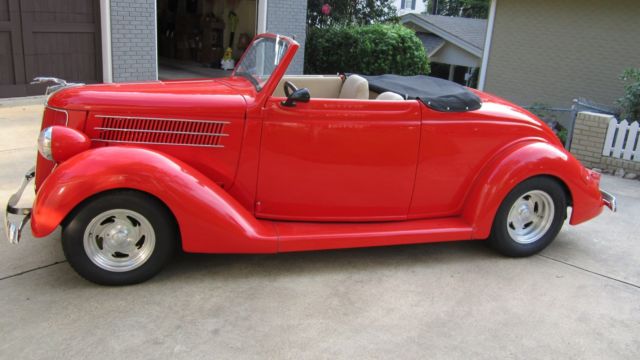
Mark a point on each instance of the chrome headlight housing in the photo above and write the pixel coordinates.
(69, 142)
(44, 143)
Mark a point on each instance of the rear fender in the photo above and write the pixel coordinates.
(521, 161)
(210, 220)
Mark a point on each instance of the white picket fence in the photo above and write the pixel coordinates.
(622, 140)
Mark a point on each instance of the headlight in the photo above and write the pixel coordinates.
(59, 143)
(44, 143)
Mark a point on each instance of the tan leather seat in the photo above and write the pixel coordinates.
(320, 86)
(355, 87)
(389, 96)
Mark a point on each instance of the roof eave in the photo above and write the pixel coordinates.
(417, 20)
(436, 49)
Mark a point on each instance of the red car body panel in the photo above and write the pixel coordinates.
(338, 151)
(205, 100)
(210, 220)
(331, 173)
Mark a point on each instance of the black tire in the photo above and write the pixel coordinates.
(501, 237)
(154, 212)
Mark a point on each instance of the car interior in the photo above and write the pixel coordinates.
(334, 87)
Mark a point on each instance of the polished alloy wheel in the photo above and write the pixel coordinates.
(530, 217)
(119, 240)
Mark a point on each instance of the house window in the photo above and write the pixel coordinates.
(407, 4)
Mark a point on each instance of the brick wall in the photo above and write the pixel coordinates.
(133, 40)
(588, 142)
(289, 18)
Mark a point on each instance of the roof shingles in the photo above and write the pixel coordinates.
(471, 31)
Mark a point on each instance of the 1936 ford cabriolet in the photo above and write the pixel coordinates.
(262, 162)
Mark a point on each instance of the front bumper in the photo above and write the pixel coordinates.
(16, 218)
(609, 200)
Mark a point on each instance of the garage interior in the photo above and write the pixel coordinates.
(193, 35)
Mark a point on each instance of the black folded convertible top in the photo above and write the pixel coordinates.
(438, 94)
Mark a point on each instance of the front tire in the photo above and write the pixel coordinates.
(529, 218)
(119, 238)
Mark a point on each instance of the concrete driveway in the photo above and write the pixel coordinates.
(580, 298)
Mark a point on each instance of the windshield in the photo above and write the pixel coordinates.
(261, 59)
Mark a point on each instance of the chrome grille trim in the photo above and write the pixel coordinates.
(159, 131)
(161, 119)
(155, 143)
(66, 113)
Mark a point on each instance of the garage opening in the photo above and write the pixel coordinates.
(194, 36)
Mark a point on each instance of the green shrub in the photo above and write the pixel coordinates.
(630, 102)
(370, 50)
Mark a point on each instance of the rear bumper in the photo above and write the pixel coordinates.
(609, 200)
(15, 218)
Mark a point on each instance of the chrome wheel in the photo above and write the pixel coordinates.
(119, 240)
(530, 217)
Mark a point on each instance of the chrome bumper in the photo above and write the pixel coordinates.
(609, 200)
(19, 216)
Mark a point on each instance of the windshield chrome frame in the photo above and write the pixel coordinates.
(279, 49)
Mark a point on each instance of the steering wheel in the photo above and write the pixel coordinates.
(289, 88)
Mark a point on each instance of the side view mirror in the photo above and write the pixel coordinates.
(300, 95)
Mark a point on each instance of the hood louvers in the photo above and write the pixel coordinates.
(159, 131)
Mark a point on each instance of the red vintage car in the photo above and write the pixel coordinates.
(263, 162)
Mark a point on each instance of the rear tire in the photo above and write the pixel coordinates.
(529, 218)
(119, 238)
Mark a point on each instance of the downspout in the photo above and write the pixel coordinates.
(105, 34)
(262, 17)
(487, 46)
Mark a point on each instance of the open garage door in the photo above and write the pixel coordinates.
(193, 35)
(48, 38)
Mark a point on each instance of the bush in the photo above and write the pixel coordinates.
(630, 102)
(370, 50)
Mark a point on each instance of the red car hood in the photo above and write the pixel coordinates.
(181, 94)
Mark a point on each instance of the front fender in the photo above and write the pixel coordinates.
(519, 162)
(210, 220)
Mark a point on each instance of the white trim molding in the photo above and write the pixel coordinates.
(262, 17)
(105, 34)
(155, 28)
(487, 46)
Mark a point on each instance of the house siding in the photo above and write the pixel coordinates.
(133, 40)
(554, 51)
(289, 18)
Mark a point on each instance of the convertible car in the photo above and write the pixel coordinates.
(264, 162)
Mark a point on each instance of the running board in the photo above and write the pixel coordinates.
(294, 236)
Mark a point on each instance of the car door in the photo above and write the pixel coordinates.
(338, 160)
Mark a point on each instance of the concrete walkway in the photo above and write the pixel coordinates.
(579, 299)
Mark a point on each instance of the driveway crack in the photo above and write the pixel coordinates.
(17, 149)
(591, 272)
(34, 269)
